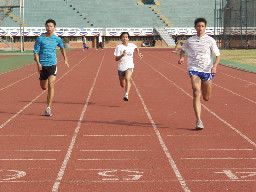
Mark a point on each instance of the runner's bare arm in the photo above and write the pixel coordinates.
(181, 60)
(39, 66)
(65, 56)
(214, 67)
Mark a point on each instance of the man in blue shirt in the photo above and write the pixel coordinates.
(45, 57)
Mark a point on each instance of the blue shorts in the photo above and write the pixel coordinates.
(203, 76)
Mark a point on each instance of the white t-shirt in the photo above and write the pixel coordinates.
(126, 61)
(84, 39)
(200, 52)
(100, 39)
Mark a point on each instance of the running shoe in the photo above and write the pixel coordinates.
(125, 98)
(48, 112)
(199, 125)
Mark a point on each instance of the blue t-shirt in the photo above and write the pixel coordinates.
(46, 48)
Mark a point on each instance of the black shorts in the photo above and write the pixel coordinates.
(47, 71)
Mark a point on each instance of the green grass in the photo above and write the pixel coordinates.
(242, 56)
(18, 59)
(14, 62)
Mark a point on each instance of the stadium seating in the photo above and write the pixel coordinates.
(113, 13)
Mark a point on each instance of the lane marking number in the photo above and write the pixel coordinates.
(120, 175)
(6, 175)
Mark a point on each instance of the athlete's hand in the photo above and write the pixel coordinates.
(140, 55)
(39, 68)
(124, 53)
(66, 62)
(181, 61)
(214, 69)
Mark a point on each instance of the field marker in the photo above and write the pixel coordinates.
(165, 149)
(70, 148)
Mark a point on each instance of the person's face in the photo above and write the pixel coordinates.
(124, 38)
(200, 28)
(50, 27)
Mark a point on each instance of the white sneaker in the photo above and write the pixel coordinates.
(199, 125)
(48, 112)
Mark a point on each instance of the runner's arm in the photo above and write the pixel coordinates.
(39, 66)
(181, 60)
(216, 63)
(65, 56)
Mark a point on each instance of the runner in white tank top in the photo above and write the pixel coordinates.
(200, 65)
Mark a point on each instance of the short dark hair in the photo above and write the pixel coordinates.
(124, 33)
(50, 21)
(200, 20)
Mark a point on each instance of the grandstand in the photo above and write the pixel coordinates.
(112, 13)
(142, 18)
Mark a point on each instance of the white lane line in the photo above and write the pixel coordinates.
(107, 159)
(114, 169)
(210, 111)
(238, 78)
(24, 150)
(213, 83)
(234, 93)
(27, 159)
(70, 148)
(26, 106)
(184, 135)
(217, 149)
(18, 81)
(220, 168)
(151, 181)
(165, 149)
(221, 158)
(117, 135)
(33, 135)
(114, 150)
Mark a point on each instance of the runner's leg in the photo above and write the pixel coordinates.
(51, 81)
(128, 76)
(206, 90)
(196, 86)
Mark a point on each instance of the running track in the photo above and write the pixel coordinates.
(97, 142)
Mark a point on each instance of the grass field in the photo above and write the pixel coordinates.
(242, 56)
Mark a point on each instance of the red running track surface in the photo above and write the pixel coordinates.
(97, 142)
